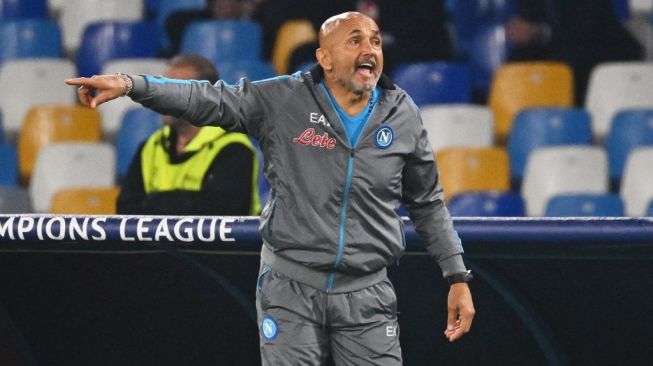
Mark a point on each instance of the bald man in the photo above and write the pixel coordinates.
(343, 148)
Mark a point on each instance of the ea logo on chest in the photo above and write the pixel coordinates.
(383, 137)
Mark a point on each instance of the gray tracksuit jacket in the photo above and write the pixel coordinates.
(330, 221)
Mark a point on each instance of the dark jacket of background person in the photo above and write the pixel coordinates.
(582, 33)
(225, 189)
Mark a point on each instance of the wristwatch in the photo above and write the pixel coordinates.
(460, 277)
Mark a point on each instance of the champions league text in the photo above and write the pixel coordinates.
(124, 229)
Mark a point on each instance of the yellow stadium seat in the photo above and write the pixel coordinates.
(469, 169)
(292, 34)
(45, 124)
(85, 201)
(520, 85)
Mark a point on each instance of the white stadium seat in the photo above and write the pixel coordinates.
(71, 165)
(637, 181)
(458, 125)
(25, 83)
(551, 171)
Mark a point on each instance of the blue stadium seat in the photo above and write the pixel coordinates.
(621, 9)
(434, 82)
(649, 212)
(488, 51)
(166, 7)
(232, 72)
(151, 7)
(104, 41)
(487, 204)
(629, 129)
(12, 9)
(137, 125)
(539, 127)
(8, 165)
(223, 40)
(468, 16)
(22, 38)
(585, 205)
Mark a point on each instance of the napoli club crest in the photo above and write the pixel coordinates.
(383, 137)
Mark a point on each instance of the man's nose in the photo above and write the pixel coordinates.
(366, 47)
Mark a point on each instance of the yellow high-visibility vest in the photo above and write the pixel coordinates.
(159, 175)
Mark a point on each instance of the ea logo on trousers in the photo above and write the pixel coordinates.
(384, 137)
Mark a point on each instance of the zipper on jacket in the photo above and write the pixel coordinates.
(343, 219)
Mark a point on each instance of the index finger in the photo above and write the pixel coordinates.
(78, 81)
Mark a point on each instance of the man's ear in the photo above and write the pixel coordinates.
(323, 58)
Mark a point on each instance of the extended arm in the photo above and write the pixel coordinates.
(424, 199)
(235, 108)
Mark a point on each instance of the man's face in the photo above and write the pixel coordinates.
(355, 53)
(181, 73)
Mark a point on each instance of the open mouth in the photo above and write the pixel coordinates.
(365, 68)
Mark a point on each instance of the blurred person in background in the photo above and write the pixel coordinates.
(581, 33)
(187, 170)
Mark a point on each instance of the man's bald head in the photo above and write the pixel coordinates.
(350, 53)
(330, 25)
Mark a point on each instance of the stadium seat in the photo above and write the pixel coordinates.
(223, 40)
(649, 212)
(291, 34)
(487, 204)
(434, 82)
(151, 7)
(466, 169)
(76, 15)
(616, 86)
(232, 72)
(552, 171)
(166, 7)
(621, 9)
(113, 113)
(488, 52)
(636, 189)
(66, 165)
(641, 6)
(585, 205)
(12, 9)
(26, 83)
(14, 200)
(8, 165)
(85, 201)
(526, 85)
(29, 38)
(629, 129)
(458, 125)
(137, 125)
(45, 124)
(539, 127)
(468, 16)
(106, 41)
